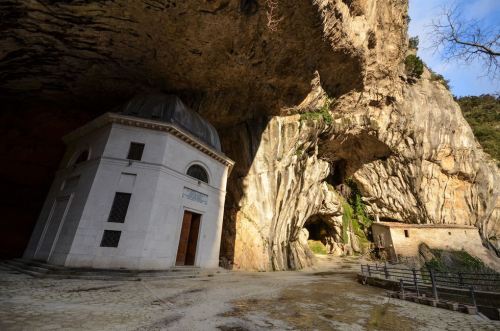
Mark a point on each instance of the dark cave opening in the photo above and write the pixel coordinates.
(337, 172)
(319, 230)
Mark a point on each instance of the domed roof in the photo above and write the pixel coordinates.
(170, 109)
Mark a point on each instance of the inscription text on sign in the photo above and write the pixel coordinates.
(195, 196)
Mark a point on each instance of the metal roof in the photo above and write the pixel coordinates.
(170, 109)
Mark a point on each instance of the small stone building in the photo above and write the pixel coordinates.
(140, 188)
(401, 239)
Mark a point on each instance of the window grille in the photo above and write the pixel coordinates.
(119, 208)
(110, 238)
(135, 151)
(198, 172)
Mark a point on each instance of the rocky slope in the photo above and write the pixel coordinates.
(305, 95)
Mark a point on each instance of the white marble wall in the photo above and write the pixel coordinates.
(151, 230)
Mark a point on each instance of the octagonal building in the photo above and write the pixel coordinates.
(139, 188)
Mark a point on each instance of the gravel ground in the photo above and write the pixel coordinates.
(324, 298)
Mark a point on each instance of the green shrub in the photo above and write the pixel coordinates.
(321, 113)
(435, 77)
(346, 220)
(413, 43)
(456, 261)
(414, 66)
(483, 114)
(354, 216)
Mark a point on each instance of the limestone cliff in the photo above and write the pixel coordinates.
(414, 160)
(303, 99)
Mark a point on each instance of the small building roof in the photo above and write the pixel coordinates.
(165, 113)
(170, 109)
(422, 226)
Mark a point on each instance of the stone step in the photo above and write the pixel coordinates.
(44, 270)
(61, 269)
(22, 270)
(26, 266)
(22, 262)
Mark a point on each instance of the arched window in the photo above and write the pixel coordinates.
(198, 172)
(84, 156)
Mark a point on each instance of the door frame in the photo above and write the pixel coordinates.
(49, 221)
(179, 230)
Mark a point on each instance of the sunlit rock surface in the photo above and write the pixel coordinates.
(405, 144)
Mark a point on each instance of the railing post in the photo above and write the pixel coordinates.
(386, 271)
(402, 287)
(415, 282)
(434, 287)
(473, 297)
(369, 273)
(460, 279)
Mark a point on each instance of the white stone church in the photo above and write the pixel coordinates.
(140, 188)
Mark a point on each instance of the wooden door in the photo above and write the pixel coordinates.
(184, 238)
(188, 240)
(193, 239)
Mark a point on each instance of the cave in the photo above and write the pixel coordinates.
(337, 173)
(89, 57)
(319, 229)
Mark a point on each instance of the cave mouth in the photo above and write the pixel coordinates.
(322, 235)
(337, 174)
(318, 229)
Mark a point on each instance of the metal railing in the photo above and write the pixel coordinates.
(456, 286)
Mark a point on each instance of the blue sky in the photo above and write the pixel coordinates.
(464, 79)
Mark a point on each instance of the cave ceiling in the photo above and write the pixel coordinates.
(220, 56)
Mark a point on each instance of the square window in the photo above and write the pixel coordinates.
(135, 151)
(407, 233)
(120, 207)
(110, 238)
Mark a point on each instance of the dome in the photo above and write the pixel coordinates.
(170, 109)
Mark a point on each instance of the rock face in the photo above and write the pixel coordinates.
(439, 173)
(304, 96)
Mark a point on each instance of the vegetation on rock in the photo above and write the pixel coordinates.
(413, 43)
(414, 66)
(317, 247)
(435, 77)
(354, 217)
(321, 113)
(483, 114)
(456, 261)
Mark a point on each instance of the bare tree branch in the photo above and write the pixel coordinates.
(456, 38)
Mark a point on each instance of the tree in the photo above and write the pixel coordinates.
(466, 40)
(414, 66)
(413, 43)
